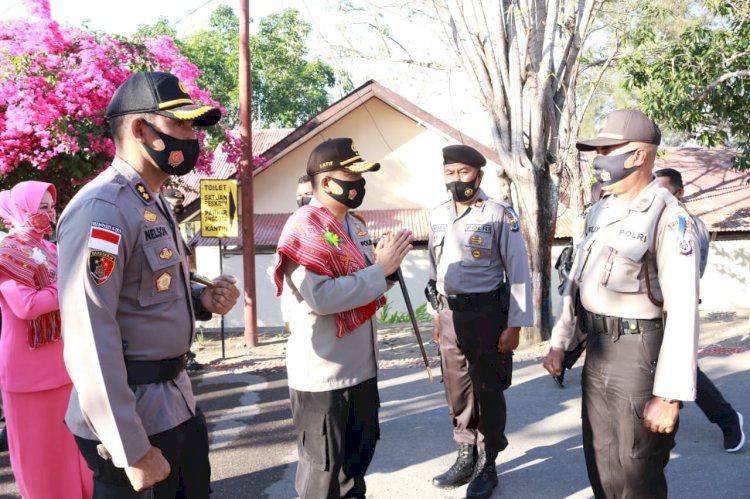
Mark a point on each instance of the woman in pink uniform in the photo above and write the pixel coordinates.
(35, 385)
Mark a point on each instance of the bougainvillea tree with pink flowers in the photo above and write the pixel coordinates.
(56, 82)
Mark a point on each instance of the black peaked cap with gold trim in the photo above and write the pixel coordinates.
(160, 93)
(338, 154)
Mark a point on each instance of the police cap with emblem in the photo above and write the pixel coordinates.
(160, 93)
(622, 126)
(460, 153)
(338, 154)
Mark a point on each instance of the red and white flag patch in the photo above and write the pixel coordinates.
(105, 237)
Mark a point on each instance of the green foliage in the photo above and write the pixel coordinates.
(288, 88)
(698, 81)
(386, 317)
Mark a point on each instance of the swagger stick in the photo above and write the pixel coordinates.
(413, 318)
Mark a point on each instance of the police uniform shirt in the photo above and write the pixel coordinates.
(124, 293)
(610, 270)
(316, 359)
(471, 253)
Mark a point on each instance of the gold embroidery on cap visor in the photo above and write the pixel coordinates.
(175, 102)
(190, 115)
(182, 86)
(361, 167)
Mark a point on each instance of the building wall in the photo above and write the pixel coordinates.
(410, 156)
(725, 285)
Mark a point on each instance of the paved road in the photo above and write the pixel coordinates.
(254, 454)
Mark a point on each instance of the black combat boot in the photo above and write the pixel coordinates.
(484, 478)
(461, 471)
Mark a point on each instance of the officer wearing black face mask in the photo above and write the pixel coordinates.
(332, 279)
(304, 190)
(129, 309)
(480, 288)
(636, 271)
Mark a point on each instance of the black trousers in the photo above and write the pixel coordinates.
(336, 436)
(185, 447)
(624, 460)
(475, 375)
(712, 403)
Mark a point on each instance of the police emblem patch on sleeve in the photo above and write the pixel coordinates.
(101, 265)
(681, 226)
(511, 219)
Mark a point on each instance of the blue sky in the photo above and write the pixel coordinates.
(124, 17)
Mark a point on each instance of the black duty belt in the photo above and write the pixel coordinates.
(470, 301)
(616, 326)
(146, 372)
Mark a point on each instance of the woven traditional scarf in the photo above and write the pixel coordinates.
(25, 257)
(313, 238)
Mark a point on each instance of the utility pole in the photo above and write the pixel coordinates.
(246, 179)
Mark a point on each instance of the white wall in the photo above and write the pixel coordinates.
(725, 285)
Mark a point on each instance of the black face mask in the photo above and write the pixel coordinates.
(353, 192)
(462, 191)
(178, 156)
(609, 170)
(303, 201)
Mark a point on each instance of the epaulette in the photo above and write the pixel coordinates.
(358, 217)
(108, 191)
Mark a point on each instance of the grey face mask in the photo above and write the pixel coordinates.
(609, 170)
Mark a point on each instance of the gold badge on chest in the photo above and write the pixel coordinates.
(163, 282)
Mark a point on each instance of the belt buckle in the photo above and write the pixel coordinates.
(629, 326)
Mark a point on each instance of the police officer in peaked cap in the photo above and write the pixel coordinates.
(129, 308)
(636, 269)
(480, 289)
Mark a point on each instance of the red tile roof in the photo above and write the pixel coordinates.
(713, 190)
(268, 227)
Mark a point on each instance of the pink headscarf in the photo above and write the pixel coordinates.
(19, 204)
(24, 256)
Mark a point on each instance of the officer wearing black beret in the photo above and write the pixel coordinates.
(480, 288)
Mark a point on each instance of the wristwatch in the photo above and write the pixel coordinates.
(669, 401)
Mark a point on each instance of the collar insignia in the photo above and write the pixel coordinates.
(140, 187)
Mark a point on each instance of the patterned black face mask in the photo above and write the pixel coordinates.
(178, 157)
(353, 192)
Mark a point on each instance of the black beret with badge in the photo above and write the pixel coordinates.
(460, 153)
(160, 93)
(338, 154)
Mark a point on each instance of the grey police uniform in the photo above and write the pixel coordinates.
(127, 300)
(333, 380)
(471, 256)
(637, 272)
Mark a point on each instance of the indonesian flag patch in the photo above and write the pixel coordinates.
(101, 265)
(105, 237)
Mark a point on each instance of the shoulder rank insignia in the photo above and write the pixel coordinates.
(358, 217)
(149, 216)
(511, 219)
(101, 265)
(140, 187)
